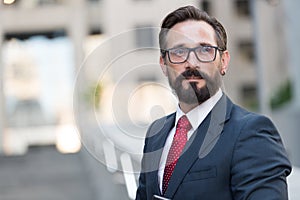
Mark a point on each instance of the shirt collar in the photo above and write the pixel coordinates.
(198, 114)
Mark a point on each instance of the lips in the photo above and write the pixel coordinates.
(194, 78)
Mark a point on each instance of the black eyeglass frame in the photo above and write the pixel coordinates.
(166, 52)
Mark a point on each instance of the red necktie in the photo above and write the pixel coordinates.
(179, 140)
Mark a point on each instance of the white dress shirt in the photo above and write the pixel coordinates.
(195, 116)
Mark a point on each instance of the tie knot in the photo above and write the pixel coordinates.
(184, 123)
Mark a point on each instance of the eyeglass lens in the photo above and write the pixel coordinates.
(203, 54)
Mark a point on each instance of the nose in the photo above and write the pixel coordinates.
(193, 60)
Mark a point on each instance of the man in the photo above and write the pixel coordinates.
(210, 149)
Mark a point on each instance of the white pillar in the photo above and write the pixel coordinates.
(292, 33)
(262, 86)
(78, 30)
(2, 102)
(292, 28)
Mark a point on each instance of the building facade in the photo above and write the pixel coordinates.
(115, 45)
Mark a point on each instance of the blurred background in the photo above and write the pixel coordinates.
(80, 83)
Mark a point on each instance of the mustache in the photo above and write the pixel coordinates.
(192, 73)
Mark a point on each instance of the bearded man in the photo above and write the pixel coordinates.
(210, 148)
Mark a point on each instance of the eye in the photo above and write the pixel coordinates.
(179, 51)
(205, 49)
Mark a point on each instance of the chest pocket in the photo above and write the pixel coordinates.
(205, 173)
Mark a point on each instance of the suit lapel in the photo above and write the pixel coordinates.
(219, 115)
(162, 129)
(160, 132)
(201, 142)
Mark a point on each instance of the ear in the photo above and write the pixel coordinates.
(163, 65)
(225, 62)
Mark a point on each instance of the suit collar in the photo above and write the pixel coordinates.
(161, 128)
(218, 116)
(199, 113)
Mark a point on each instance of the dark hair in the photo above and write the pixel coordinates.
(191, 13)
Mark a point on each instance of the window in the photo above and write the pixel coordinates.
(149, 78)
(49, 2)
(249, 96)
(38, 69)
(144, 36)
(206, 6)
(246, 50)
(95, 31)
(242, 8)
(25, 35)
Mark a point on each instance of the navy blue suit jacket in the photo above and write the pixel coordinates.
(234, 154)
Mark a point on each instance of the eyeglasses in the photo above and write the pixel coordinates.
(180, 55)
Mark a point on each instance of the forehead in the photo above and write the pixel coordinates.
(191, 33)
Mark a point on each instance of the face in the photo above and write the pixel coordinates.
(194, 81)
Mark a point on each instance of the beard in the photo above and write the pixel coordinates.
(192, 94)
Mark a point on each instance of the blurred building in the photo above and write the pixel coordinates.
(79, 18)
(126, 59)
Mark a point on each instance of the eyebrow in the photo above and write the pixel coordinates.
(206, 44)
(200, 44)
(177, 46)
